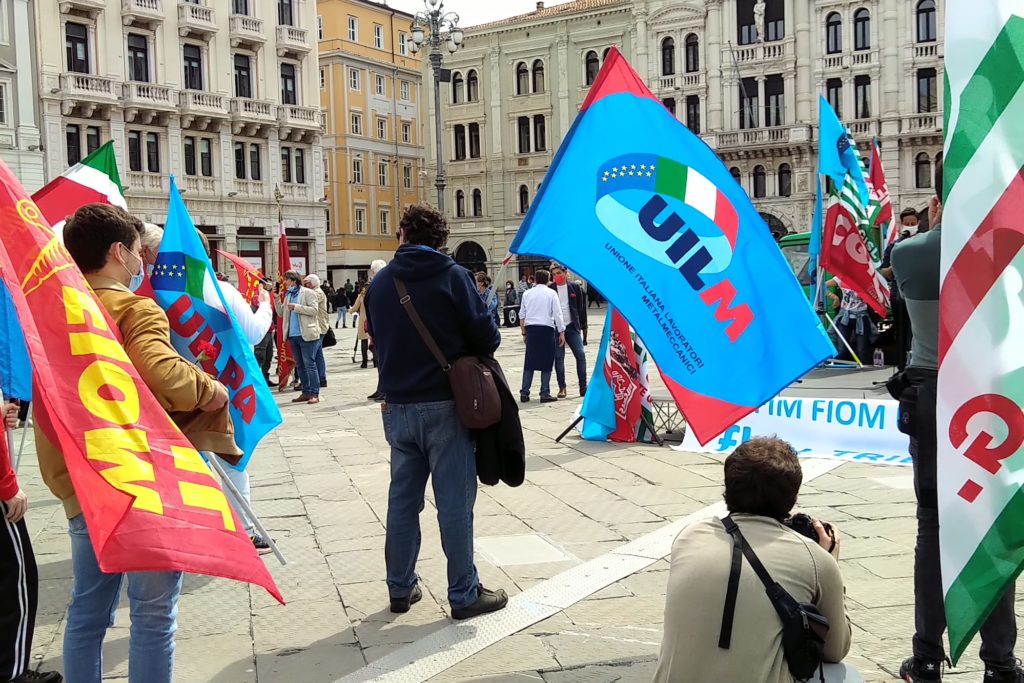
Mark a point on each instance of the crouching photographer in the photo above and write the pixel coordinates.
(758, 595)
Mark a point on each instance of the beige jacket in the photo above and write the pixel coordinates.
(322, 316)
(701, 560)
(360, 307)
(181, 387)
(308, 310)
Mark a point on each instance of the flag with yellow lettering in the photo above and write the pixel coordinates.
(149, 499)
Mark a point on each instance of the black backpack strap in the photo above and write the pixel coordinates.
(771, 587)
(729, 612)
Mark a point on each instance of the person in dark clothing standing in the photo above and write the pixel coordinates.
(264, 351)
(909, 227)
(916, 267)
(420, 421)
(574, 313)
(19, 577)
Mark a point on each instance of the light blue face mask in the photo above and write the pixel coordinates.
(138, 278)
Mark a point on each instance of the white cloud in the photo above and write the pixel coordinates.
(472, 12)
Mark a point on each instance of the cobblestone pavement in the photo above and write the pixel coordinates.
(320, 484)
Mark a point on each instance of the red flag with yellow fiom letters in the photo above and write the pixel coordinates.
(149, 499)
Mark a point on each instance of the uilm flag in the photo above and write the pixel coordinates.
(980, 413)
(285, 361)
(150, 501)
(94, 179)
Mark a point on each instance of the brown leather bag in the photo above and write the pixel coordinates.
(476, 394)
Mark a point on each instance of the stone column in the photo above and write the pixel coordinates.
(805, 42)
(642, 61)
(887, 37)
(717, 99)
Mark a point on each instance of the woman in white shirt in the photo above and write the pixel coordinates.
(540, 317)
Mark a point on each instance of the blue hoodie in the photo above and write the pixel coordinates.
(446, 297)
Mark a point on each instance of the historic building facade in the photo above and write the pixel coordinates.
(371, 87)
(20, 146)
(744, 75)
(222, 94)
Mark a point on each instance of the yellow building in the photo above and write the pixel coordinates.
(371, 87)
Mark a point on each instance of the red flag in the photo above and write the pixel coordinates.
(150, 501)
(285, 361)
(879, 190)
(845, 253)
(625, 370)
(249, 278)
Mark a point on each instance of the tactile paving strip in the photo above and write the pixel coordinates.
(433, 654)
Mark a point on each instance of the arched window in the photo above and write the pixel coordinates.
(538, 76)
(926, 21)
(833, 34)
(735, 173)
(668, 57)
(524, 199)
(785, 181)
(522, 79)
(591, 66)
(760, 182)
(923, 171)
(604, 55)
(692, 56)
(457, 84)
(478, 203)
(472, 86)
(460, 204)
(862, 29)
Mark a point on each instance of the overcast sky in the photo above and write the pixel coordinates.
(473, 12)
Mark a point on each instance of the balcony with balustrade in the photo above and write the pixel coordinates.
(200, 186)
(88, 88)
(137, 183)
(297, 192)
(246, 31)
(199, 103)
(251, 189)
(864, 129)
(291, 39)
(774, 135)
(681, 81)
(147, 12)
(922, 124)
(252, 117)
(762, 53)
(147, 97)
(307, 118)
(926, 52)
(195, 19)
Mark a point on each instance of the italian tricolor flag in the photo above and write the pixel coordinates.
(981, 339)
(92, 180)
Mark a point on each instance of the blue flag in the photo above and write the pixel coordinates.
(598, 409)
(186, 287)
(644, 210)
(15, 366)
(837, 156)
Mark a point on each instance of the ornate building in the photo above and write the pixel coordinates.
(20, 146)
(744, 75)
(370, 85)
(220, 93)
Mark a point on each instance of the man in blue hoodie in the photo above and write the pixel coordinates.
(420, 422)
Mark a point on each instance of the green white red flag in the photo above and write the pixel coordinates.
(981, 357)
(93, 180)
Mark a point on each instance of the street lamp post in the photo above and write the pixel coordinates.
(436, 27)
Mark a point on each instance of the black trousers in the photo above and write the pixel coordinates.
(264, 352)
(999, 632)
(19, 597)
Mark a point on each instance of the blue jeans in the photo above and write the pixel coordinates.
(573, 340)
(153, 597)
(321, 363)
(427, 440)
(305, 364)
(545, 383)
(342, 318)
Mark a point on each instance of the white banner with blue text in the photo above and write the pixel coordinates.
(846, 429)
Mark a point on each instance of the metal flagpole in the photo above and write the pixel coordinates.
(244, 505)
(843, 339)
(21, 448)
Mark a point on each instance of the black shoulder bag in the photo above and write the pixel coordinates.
(804, 628)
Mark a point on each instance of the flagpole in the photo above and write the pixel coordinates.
(501, 274)
(21, 448)
(244, 505)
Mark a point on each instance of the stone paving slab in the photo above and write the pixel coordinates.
(320, 483)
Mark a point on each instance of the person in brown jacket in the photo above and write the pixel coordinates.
(105, 243)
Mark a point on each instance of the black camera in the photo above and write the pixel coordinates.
(804, 525)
